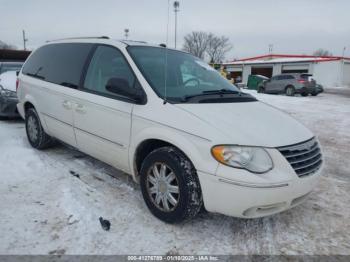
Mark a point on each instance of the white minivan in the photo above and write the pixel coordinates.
(186, 134)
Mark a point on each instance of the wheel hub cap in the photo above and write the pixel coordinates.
(163, 187)
(32, 129)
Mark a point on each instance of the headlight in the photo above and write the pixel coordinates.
(253, 159)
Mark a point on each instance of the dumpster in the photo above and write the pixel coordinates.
(255, 80)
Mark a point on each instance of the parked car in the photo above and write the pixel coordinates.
(10, 66)
(289, 84)
(319, 89)
(255, 81)
(8, 96)
(187, 141)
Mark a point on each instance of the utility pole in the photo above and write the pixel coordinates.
(24, 39)
(126, 33)
(176, 10)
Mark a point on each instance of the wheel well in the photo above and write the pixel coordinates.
(147, 147)
(27, 105)
(289, 86)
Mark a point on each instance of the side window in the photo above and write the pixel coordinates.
(61, 64)
(107, 63)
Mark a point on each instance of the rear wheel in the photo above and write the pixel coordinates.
(170, 186)
(304, 94)
(35, 132)
(314, 94)
(290, 91)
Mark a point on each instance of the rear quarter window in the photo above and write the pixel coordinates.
(58, 63)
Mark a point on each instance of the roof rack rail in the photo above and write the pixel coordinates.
(127, 42)
(82, 37)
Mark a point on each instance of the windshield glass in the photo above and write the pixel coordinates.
(185, 74)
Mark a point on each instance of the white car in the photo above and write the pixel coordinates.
(187, 141)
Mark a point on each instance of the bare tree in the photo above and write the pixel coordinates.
(217, 48)
(196, 43)
(322, 52)
(3, 45)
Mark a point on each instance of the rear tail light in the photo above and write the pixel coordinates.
(302, 81)
(17, 84)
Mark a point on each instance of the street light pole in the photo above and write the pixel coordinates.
(176, 10)
(126, 33)
(24, 39)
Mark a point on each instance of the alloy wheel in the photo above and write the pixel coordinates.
(163, 187)
(32, 128)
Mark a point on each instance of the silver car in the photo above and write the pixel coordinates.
(289, 84)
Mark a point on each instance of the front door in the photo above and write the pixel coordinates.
(102, 120)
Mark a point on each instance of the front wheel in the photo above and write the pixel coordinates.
(170, 185)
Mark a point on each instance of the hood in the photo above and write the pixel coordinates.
(250, 123)
(8, 80)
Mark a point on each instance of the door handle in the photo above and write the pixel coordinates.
(80, 109)
(67, 105)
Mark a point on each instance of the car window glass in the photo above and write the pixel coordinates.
(10, 67)
(182, 74)
(59, 63)
(107, 63)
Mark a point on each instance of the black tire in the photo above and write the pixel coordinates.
(261, 90)
(290, 91)
(314, 94)
(41, 140)
(189, 201)
(304, 94)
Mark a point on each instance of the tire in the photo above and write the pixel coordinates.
(261, 90)
(304, 94)
(314, 94)
(35, 132)
(188, 195)
(290, 91)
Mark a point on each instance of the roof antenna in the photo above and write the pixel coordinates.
(166, 56)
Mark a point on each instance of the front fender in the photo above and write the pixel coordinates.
(197, 149)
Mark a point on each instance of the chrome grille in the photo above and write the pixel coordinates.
(305, 157)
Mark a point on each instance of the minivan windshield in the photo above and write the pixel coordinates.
(186, 76)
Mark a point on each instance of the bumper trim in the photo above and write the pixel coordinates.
(252, 185)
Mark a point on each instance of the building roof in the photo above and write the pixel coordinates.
(13, 55)
(279, 58)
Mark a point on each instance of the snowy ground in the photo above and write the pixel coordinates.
(45, 209)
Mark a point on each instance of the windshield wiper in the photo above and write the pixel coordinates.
(35, 76)
(221, 91)
(211, 92)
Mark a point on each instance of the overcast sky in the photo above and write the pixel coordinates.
(292, 26)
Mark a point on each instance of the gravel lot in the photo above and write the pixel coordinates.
(44, 209)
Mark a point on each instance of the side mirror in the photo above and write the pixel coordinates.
(121, 87)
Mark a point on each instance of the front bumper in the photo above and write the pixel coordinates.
(8, 106)
(238, 193)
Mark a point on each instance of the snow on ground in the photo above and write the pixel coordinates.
(44, 209)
